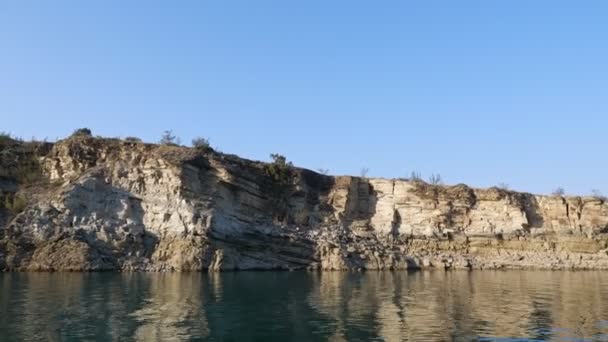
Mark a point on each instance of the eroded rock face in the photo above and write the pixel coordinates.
(115, 205)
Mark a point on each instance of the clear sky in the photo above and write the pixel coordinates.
(481, 92)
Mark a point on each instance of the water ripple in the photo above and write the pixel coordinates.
(299, 306)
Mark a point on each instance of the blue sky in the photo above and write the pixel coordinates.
(481, 92)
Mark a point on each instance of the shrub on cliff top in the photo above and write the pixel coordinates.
(200, 143)
(133, 139)
(82, 132)
(279, 170)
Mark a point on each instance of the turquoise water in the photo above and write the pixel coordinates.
(300, 306)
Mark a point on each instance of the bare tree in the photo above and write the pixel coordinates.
(364, 172)
(435, 179)
(415, 176)
(323, 171)
(559, 191)
(596, 193)
(169, 139)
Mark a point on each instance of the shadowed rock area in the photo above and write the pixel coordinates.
(89, 204)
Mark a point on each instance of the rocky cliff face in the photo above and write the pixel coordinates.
(107, 204)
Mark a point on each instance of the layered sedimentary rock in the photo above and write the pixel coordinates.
(107, 204)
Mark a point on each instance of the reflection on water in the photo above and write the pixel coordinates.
(299, 306)
(172, 310)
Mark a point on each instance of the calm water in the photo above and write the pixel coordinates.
(300, 306)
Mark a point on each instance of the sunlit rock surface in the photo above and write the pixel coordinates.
(107, 204)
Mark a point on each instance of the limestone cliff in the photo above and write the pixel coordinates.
(108, 204)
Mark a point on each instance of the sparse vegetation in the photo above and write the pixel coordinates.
(133, 139)
(279, 170)
(169, 139)
(200, 143)
(503, 186)
(19, 160)
(415, 176)
(559, 191)
(435, 179)
(82, 132)
(323, 171)
(596, 193)
(5, 139)
(434, 192)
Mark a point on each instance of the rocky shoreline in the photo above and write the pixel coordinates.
(108, 204)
